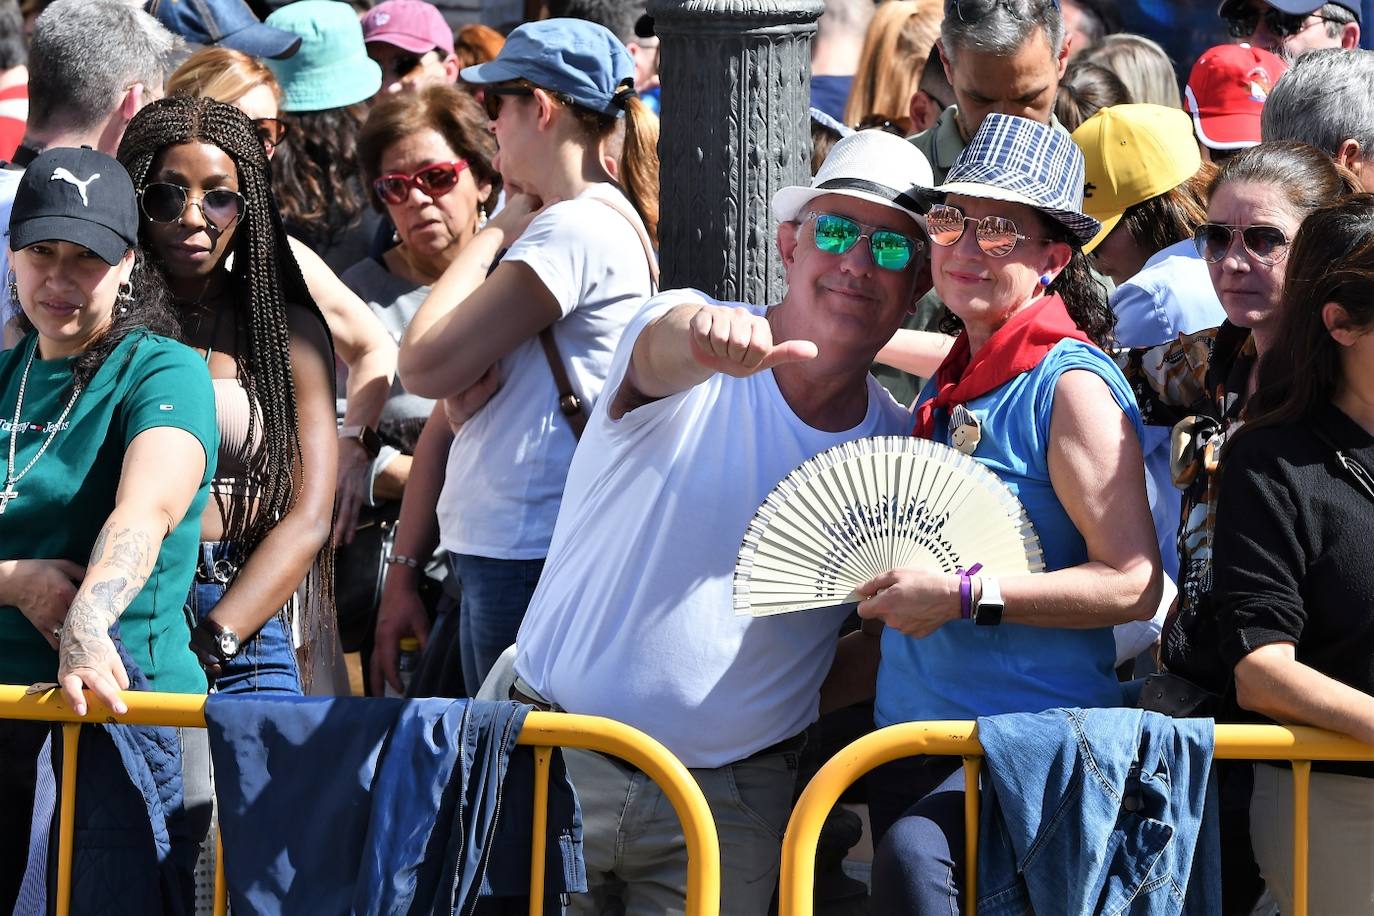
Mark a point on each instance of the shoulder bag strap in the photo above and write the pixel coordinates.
(637, 224)
(1359, 476)
(569, 404)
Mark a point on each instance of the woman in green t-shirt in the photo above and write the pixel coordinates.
(107, 444)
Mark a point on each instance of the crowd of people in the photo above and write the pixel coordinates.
(340, 331)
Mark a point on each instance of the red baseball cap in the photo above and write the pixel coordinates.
(411, 25)
(1226, 93)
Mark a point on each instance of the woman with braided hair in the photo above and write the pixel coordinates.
(211, 223)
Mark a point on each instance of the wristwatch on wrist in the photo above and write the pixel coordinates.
(215, 641)
(365, 436)
(988, 611)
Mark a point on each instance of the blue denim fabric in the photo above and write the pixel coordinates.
(1098, 811)
(351, 805)
(266, 662)
(495, 596)
(918, 858)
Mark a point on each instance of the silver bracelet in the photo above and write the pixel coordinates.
(404, 561)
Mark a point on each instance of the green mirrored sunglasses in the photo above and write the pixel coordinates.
(891, 250)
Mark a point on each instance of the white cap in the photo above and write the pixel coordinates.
(871, 165)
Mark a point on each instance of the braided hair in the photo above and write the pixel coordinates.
(267, 282)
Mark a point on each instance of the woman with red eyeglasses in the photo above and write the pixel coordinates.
(426, 158)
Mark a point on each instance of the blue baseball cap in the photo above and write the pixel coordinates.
(579, 59)
(227, 23)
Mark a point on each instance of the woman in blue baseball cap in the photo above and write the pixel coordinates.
(575, 248)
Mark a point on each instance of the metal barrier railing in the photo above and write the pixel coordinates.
(543, 731)
(1233, 742)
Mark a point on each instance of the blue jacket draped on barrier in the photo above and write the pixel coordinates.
(382, 806)
(1098, 811)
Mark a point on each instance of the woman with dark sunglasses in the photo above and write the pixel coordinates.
(427, 159)
(1294, 592)
(202, 178)
(1028, 392)
(1200, 386)
(578, 262)
(363, 345)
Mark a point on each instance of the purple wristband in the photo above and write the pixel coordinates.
(966, 590)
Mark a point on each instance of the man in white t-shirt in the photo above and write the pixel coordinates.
(709, 404)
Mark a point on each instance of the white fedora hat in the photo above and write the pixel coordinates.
(871, 165)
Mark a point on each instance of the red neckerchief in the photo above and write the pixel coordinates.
(1016, 347)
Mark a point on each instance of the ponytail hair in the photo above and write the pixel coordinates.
(639, 163)
(635, 152)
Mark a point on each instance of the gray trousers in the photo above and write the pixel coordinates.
(635, 850)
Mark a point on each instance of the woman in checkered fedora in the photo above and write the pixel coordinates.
(1028, 392)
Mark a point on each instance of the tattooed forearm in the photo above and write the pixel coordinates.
(121, 561)
(131, 550)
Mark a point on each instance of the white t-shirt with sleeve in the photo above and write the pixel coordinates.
(507, 465)
(633, 617)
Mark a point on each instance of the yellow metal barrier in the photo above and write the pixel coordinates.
(1233, 742)
(542, 731)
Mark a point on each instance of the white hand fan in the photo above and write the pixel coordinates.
(859, 509)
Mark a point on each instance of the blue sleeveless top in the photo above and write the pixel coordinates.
(963, 671)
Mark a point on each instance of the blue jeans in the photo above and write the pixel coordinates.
(495, 596)
(266, 662)
(918, 859)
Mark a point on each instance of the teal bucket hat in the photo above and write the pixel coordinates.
(331, 69)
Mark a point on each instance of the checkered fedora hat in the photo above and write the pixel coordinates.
(1025, 162)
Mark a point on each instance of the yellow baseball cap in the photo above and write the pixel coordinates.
(1132, 153)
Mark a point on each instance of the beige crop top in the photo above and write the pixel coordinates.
(235, 475)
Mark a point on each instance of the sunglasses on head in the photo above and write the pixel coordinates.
(1241, 21)
(1266, 244)
(271, 131)
(997, 236)
(837, 234)
(977, 10)
(434, 180)
(163, 202)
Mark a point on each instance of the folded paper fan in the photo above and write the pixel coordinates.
(859, 509)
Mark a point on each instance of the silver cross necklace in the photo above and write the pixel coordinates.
(11, 478)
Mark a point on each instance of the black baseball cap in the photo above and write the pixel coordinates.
(76, 195)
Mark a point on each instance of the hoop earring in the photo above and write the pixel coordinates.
(124, 296)
(13, 289)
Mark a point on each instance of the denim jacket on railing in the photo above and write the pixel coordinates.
(1098, 811)
(358, 805)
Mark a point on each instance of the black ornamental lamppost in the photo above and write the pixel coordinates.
(736, 90)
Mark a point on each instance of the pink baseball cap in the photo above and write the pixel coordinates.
(411, 25)
(1226, 93)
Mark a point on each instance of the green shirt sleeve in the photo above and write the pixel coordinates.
(170, 386)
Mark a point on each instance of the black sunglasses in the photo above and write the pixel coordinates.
(1241, 21)
(271, 131)
(163, 202)
(492, 95)
(403, 64)
(1267, 244)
